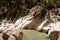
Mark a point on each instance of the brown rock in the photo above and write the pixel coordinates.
(36, 13)
(54, 35)
(14, 34)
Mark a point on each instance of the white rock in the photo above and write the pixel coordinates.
(42, 25)
(23, 21)
(54, 27)
(46, 28)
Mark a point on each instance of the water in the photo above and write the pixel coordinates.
(34, 35)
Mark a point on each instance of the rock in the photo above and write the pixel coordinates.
(10, 32)
(53, 17)
(11, 38)
(54, 27)
(54, 35)
(15, 34)
(43, 24)
(32, 24)
(32, 19)
(55, 14)
(46, 29)
(35, 9)
(59, 36)
(1, 36)
(54, 31)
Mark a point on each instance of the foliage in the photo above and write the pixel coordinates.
(21, 7)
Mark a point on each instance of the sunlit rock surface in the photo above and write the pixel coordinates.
(23, 21)
(46, 29)
(54, 35)
(54, 31)
(43, 24)
(15, 34)
(52, 17)
(54, 27)
(32, 19)
(8, 31)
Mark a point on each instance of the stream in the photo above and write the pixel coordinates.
(34, 35)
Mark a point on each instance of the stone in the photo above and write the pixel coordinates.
(32, 19)
(54, 35)
(15, 34)
(54, 32)
(10, 32)
(43, 24)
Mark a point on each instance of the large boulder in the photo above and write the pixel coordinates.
(55, 14)
(32, 19)
(10, 32)
(54, 32)
(51, 17)
(15, 34)
(54, 35)
(46, 29)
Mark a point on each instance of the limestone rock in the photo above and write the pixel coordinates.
(10, 32)
(54, 35)
(46, 29)
(53, 17)
(32, 19)
(54, 31)
(15, 34)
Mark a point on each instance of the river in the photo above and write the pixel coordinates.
(34, 35)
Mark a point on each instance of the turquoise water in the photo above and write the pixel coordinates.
(34, 35)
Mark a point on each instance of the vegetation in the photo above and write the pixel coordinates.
(18, 8)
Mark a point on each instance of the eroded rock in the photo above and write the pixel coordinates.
(54, 35)
(32, 19)
(10, 32)
(13, 34)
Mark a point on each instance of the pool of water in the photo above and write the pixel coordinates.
(34, 35)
